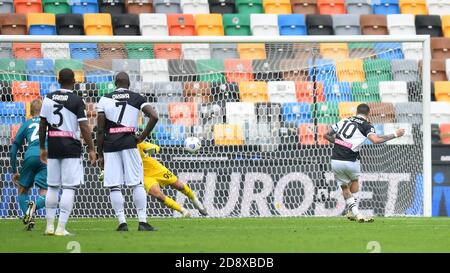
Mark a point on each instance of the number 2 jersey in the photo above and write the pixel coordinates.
(121, 109)
(63, 110)
(350, 135)
(29, 132)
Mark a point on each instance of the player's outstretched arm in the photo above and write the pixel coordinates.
(101, 122)
(330, 135)
(382, 139)
(87, 136)
(153, 119)
(42, 134)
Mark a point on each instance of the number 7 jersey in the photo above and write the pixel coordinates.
(350, 135)
(63, 110)
(121, 109)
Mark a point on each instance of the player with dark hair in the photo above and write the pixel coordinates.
(348, 135)
(64, 114)
(117, 124)
(33, 171)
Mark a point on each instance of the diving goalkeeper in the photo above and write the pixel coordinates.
(156, 176)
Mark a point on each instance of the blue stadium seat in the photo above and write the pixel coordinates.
(40, 70)
(292, 24)
(170, 135)
(47, 87)
(83, 51)
(337, 92)
(323, 70)
(98, 76)
(296, 113)
(389, 51)
(84, 6)
(12, 112)
(385, 7)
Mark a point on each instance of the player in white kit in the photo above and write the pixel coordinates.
(117, 123)
(348, 135)
(62, 112)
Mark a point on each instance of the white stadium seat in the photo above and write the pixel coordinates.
(194, 6)
(406, 139)
(393, 91)
(196, 51)
(153, 24)
(438, 7)
(240, 113)
(156, 70)
(281, 91)
(440, 112)
(55, 50)
(412, 51)
(401, 24)
(264, 24)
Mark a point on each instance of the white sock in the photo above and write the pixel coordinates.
(140, 202)
(355, 196)
(117, 203)
(51, 203)
(197, 203)
(352, 205)
(65, 207)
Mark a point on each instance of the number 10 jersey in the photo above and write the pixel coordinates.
(63, 110)
(121, 109)
(350, 135)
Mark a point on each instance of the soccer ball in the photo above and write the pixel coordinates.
(192, 145)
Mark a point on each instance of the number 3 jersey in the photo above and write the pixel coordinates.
(121, 109)
(63, 110)
(350, 135)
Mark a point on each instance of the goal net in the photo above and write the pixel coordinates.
(260, 111)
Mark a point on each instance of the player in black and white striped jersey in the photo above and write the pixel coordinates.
(63, 113)
(348, 135)
(117, 123)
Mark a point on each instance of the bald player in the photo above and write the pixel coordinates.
(117, 124)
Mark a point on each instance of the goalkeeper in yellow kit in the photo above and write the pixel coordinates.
(157, 176)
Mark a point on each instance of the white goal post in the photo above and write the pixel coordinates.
(273, 201)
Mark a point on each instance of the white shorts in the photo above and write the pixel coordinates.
(66, 172)
(345, 171)
(123, 168)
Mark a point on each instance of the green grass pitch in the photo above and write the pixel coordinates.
(302, 234)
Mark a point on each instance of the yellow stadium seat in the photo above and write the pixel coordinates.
(228, 134)
(97, 24)
(442, 90)
(277, 6)
(252, 51)
(253, 91)
(334, 51)
(350, 70)
(347, 109)
(209, 25)
(416, 7)
(446, 25)
(41, 19)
